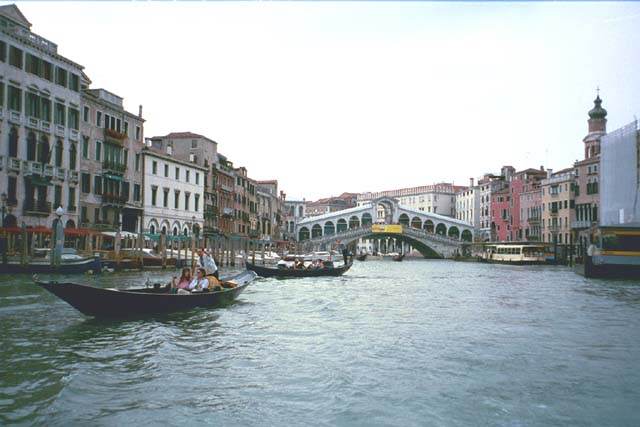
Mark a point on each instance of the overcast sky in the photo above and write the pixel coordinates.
(331, 97)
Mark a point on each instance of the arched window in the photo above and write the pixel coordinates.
(73, 155)
(428, 225)
(366, 219)
(454, 232)
(152, 229)
(354, 222)
(31, 147)
(43, 150)
(329, 228)
(13, 142)
(404, 219)
(341, 225)
(303, 234)
(316, 231)
(416, 222)
(441, 229)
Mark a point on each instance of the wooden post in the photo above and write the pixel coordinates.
(253, 255)
(23, 253)
(163, 250)
(233, 254)
(262, 253)
(192, 240)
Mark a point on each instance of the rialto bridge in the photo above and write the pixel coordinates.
(432, 234)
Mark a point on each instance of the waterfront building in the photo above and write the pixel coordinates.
(246, 211)
(270, 205)
(224, 179)
(501, 215)
(40, 93)
(468, 204)
(331, 204)
(558, 207)
(173, 193)
(294, 211)
(531, 213)
(110, 163)
(587, 178)
(489, 184)
(436, 198)
(202, 151)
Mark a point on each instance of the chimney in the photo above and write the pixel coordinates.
(549, 173)
(541, 167)
(471, 182)
(140, 110)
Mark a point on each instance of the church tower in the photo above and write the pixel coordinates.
(597, 128)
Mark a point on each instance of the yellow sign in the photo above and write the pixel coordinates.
(387, 228)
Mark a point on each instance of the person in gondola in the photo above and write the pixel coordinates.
(345, 255)
(200, 283)
(182, 283)
(206, 261)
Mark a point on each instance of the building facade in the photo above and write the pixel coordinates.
(225, 179)
(294, 211)
(488, 185)
(468, 204)
(331, 204)
(110, 163)
(270, 204)
(558, 207)
(531, 213)
(587, 178)
(246, 210)
(173, 194)
(40, 102)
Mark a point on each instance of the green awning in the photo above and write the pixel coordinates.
(114, 177)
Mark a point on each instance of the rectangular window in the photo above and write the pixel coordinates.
(97, 185)
(74, 82)
(136, 192)
(154, 167)
(99, 118)
(106, 120)
(126, 157)
(73, 154)
(57, 196)
(194, 143)
(154, 193)
(32, 105)
(45, 109)
(74, 118)
(85, 183)
(126, 128)
(16, 57)
(197, 202)
(47, 70)
(197, 178)
(15, 98)
(85, 114)
(1, 94)
(118, 125)
(98, 150)
(96, 215)
(177, 174)
(85, 147)
(187, 173)
(138, 133)
(83, 215)
(59, 114)
(72, 199)
(176, 200)
(32, 64)
(165, 198)
(3, 51)
(125, 191)
(186, 201)
(61, 77)
(137, 162)
(166, 170)
(12, 190)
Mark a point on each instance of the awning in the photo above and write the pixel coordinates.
(113, 177)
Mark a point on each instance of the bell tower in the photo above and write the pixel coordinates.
(597, 127)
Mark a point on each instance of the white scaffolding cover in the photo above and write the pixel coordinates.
(619, 190)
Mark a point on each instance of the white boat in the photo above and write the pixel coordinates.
(517, 254)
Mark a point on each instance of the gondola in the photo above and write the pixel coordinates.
(290, 272)
(361, 257)
(110, 302)
(398, 257)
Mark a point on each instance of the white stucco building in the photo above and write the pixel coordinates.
(173, 193)
(468, 204)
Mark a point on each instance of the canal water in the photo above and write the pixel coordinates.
(416, 343)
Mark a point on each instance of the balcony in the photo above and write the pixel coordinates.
(73, 175)
(226, 188)
(581, 224)
(48, 171)
(114, 136)
(74, 135)
(14, 164)
(33, 122)
(228, 212)
(114, 167)
(72, 208)
(15, 117)
(554, 228)
(553, 212)
(60, 174)
(59, 131)
(45, 126)
(113, 199)
(31, 168)
(534, 220)
(36, 208)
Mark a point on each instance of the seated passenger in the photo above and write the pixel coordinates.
(200, 283)
(183, 282)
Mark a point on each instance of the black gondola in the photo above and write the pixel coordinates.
(110, 302)
(361, 257)
(292, 272)
(398, 258)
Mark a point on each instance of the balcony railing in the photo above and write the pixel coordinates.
(114, 136)
(74, 134)
(73, 175)
(31, 168)
(60, 174)
(14, 164)
(33, 122)
(15, 117)
(581, 224)
(71, 208)
(59, 130)
(113, 199)
(37, 207)
(45, 126)
(115, 167)
(48, 171)
(553, 211)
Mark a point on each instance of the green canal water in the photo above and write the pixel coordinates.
(416, 343)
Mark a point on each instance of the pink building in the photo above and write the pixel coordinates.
(530, 213)
(500, 215)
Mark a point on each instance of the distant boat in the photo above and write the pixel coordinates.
(302, 272)
(110, 302)
(514, 254)
(70, 263)
(361, 257)
(398, 257)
